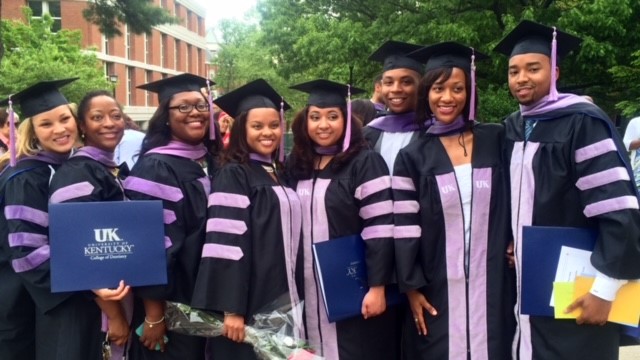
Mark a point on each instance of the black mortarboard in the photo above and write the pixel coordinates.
(40, 97)
(326, 93)
(256, 94)
(447, 54)
(166, 88)
(392, 54)
(530, 37)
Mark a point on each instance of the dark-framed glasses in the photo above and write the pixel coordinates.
(187, 108)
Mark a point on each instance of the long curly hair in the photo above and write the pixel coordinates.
(300, 164)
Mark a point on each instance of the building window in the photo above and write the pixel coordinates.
(187, 20)
(199, 61)
(176, 54)
(148, 77)
(188, 58)
(105, 45)
(131, 86)
(147, 48)
(51, 7)
(127, 42)
(163, 51)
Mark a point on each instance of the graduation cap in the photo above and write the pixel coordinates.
(325, 93)
(392, 54)
(34, 100)
(166, 88)
(452, 54)
(530, 37)
(254, 95)
(40, 97)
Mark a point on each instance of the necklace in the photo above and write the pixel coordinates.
(268, 168)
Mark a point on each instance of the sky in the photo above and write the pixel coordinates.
(225, 9)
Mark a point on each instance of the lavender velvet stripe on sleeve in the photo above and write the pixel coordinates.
(377, 209)
(402, 183)
(222, 252)
(71, 192)
(372, 187)
(229, 200)
(407, 231)
(377, 231)
(610, 205)
(26, 213)
(31, 261)
(226, 226)
(152, 188)
(27, 239)
(602, 178)
(595, 149)
(169, 216)
(406, 207)
(167, 242)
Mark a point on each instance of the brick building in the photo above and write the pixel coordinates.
(133, 59)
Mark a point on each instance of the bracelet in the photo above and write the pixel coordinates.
(226, 313)
(151, 323)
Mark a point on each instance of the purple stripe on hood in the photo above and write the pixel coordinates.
(545, 105)
(180, 149)
(396, 123)
(103, 157)
(47, 157)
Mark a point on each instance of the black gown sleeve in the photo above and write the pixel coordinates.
(374, 199)
(26, 198)
(407, 230)
(225, 272)
(608, 198)
(82, 180)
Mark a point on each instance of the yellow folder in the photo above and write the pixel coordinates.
(625, 309)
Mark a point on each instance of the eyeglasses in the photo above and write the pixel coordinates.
(187, 108)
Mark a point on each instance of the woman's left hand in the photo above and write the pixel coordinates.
(374, 302)
(113, 294)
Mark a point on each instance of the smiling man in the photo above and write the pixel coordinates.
(568, 169)
(400, 79)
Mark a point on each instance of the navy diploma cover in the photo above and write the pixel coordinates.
(342, 273)
(94, 245)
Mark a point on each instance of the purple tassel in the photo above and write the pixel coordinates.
(12, 134)
(347, 130)
(212, 125)
(472, 102)
(553, 92)
(282, 126)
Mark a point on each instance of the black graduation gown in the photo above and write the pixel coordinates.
(183, 187)
(475, 301)
(24, 196)
(352, 199)
(571, 173)
(252, 254)
(82, 179)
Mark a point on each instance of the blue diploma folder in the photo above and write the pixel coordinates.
(540, 255)
(94, 245)
(340, 264)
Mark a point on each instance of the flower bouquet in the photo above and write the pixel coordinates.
(271, 333)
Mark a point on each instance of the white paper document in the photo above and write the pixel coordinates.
(573, 262)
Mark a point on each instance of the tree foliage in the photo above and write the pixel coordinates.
(139, 15)
(34, 53)
(306, 39)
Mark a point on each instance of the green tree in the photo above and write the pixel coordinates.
(34, 53)
(304, 39)
(139, 15)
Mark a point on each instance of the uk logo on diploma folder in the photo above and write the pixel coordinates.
(94, 245)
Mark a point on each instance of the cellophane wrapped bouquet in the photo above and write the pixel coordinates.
(271, 332)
